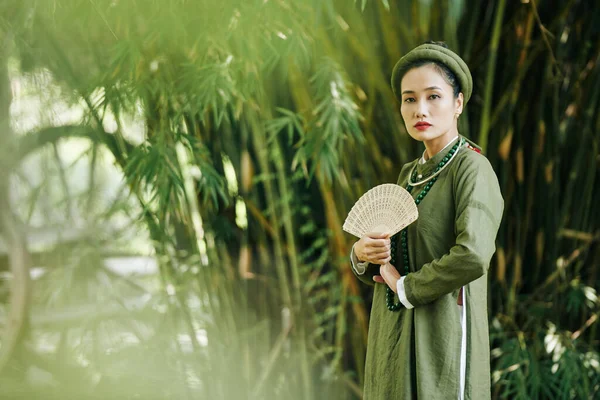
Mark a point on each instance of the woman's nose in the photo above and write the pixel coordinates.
(421, 111)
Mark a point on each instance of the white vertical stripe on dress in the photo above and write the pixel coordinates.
(463, 346)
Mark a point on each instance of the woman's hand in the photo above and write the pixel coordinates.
(389, 275)
(374, 248)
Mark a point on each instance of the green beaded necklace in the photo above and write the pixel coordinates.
(403, 234)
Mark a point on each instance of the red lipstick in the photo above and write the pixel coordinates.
(422, 125)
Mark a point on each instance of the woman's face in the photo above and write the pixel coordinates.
(429, 108)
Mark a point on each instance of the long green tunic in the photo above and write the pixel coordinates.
(416, 353)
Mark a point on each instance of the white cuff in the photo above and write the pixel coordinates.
(402, 293)
(359, 267)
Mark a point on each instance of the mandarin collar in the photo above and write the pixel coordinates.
(429, 166)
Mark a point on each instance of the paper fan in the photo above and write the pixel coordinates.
(384, 208)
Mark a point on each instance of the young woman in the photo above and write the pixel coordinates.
(428, 332)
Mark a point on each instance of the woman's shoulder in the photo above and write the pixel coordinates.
(473, 177)
(470, 158)
(473, 169)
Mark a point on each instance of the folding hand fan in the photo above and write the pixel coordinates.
(384, 208)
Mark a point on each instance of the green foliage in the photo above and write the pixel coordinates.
(335, 118)
(295, 97)
(548, 364)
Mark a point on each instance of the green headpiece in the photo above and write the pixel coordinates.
(440, 54)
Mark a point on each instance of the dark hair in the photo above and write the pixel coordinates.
(448, 75)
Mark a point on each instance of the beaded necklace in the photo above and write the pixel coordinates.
(403, 234)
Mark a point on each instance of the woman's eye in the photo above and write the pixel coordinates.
(409, 100)
(434, 96)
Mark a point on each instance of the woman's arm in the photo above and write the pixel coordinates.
(371, 251)
(479, 207)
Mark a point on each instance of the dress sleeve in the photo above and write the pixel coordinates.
(364, 271)
(402, 293)
(359, 266)
(479, 207)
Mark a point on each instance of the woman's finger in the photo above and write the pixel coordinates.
(382, 260)
(371, 251)
(378, 279)
(379, 254)
(374, 252)
(378, 244)
(378, 235)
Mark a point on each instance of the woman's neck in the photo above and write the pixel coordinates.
(434, 146)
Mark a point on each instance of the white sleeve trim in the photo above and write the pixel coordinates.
(402, 293)
(359, 267)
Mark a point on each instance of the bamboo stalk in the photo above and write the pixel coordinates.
(258, 141)
(490, 76)
(11, 229)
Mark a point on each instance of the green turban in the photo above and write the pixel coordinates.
(440, 54)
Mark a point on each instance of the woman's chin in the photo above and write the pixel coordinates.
(421, 136)
(427, 135)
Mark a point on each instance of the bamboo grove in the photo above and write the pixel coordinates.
(265, 120)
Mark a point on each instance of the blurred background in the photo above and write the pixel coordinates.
(174, 176)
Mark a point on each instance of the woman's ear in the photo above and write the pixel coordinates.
(459, 103)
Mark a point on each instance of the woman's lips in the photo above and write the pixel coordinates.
(422, 125)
